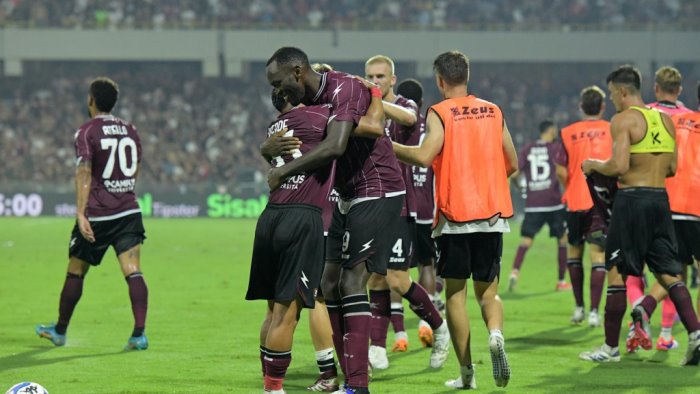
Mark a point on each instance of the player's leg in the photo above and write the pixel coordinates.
(357, 317)
(278, 343)
(458, 324)
(70, 295)
(557, 229)
(422, 306)
(398, 323)
(330, 282)
(615, 307)
(680, 296)
(380, 304)
(129, 262)
(264, 329)
(525, 244)
(574, 263)
(322, 338)
(598, 274)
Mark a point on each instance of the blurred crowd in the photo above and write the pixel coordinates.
(353, 14)
(198, 130)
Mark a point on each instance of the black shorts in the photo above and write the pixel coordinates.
(464, 256)
(585, 226)
(535, 220)
(641, 230)
(122, 233)
(403, 245)
(425, 244)
(688, 237)
(366, 233)
(287, 254)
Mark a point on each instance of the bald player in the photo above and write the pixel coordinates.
(641, 230)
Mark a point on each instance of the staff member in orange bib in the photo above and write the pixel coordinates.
(472, 155)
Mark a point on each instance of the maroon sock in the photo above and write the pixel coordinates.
(70, 295)
(335, 313)
(684, 306)
(615, 306)
(421, 305)
(380, 304)
(597, 282)
(357, 315)
(276, 364)
(648, 303)
(263, 352)
(397, 318)
(519, 257)
(138, 292)
(576, 275)
(562, 263)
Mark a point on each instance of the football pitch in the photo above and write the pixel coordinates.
(204, 336)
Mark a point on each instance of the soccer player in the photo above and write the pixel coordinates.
(463, 133)
(108, 152)
(586, 139)
(424, 250)
(667, 88)
(543, 201)
(401, 126)
(368, 180)
(288, 252)
(641, 229)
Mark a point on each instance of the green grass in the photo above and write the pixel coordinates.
(204, 336)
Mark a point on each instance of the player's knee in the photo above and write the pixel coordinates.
(526, 242)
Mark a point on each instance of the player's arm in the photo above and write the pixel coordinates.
(83, 180)
(618, 164)
(329, 149)
(423, 154)
(509, 152)
(278, 145)
(562, 174)
(668, 123)
(401, 115)
(372, 124)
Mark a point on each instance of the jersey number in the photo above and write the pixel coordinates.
(119, 145)
(279, 161)
(398, 248)
(539, 166)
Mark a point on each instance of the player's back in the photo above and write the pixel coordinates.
(537, 166)
(369, 167)
(113, 148)
(308, 124)
(586, 139)
(684, 186)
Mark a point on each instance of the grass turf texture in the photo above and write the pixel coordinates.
(204, 335)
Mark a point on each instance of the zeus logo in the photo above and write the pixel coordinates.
(614, 254)
(337, 90)
(367, 245)
(304, 279)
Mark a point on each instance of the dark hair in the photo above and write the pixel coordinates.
(452, 67)
(105, 92)
(289, 56)
(626, 75)
(545, 125)
(411, 89)
(592, 99)
(278, 100)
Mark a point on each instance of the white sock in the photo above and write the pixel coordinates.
(325, 354)
(666, 333)
(497, 333)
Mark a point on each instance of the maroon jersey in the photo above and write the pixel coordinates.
(114, 149)
(536, 163)
(406, 135)
(423, 184)
(368, 168)
(309, 125)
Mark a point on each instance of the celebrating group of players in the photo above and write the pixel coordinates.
(353, 149)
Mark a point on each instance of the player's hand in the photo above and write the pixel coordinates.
(274, 178)
(278, 145)
(366, 82)
(587, 165)
(85, 228)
